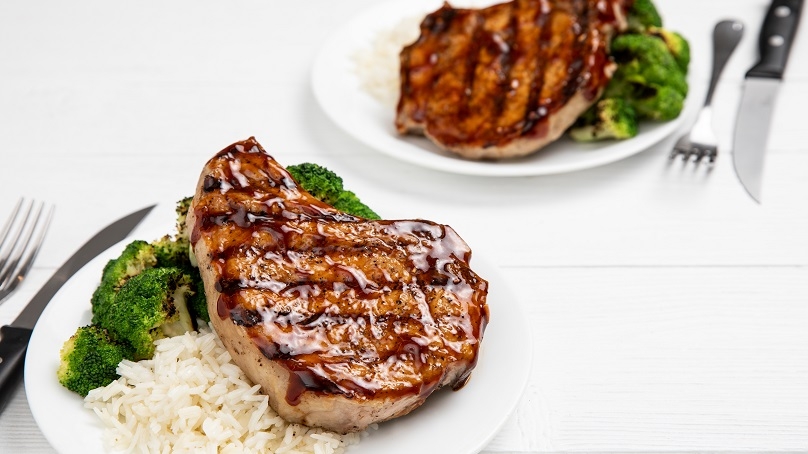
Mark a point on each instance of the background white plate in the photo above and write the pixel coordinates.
(338, 91)
(456, 422)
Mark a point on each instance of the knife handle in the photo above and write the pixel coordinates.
(776, 37)
(13, 344)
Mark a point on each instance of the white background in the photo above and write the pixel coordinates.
(669, 311)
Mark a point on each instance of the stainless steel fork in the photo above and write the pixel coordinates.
(700, 142)
(20, 241)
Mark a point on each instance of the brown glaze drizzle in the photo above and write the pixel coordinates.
(348, 306)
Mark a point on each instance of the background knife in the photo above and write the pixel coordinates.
(760, 91)
(14, 338)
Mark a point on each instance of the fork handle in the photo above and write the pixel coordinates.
(726, 36)
(13, 345)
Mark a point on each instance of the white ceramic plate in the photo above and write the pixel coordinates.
(339, 92)
(456, 422)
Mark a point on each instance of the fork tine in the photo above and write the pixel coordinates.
(10, 259)
(676, 152)
(712, 155)
(17, 223)
(19, 257)
(5, 235)
(32, 249)
(699, 155)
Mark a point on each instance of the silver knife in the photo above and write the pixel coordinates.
(14, 337)
(760, 90)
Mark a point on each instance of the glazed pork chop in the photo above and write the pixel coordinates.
(344, 322)
(506, 80)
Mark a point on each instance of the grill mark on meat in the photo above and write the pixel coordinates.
(470, 63)
(507, 62)
(297, 299)
(557, 56)
(533, 114)
(285, 286)
(366, 238)
(321, 325)
(421, 57)
(245, 317)
(561, 58)
(600, 63)
(345, 274)
(576, 63)
(454, 63)
(510, 118)
(490, 71)
(301, 343)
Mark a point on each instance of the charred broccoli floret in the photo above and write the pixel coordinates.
(665, 104)
(137, 256)
(648, 77)
(182, 213)
(89, 359)
(676, 43)
(151, 306)
(643, 14)
(174, 250)
(609, 118)
(327, 187)
(171, 252)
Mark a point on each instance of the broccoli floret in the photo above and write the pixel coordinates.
(151, 306)
(174, 250)
(89, 359)
(198, 304)
(648, 77)
(646, 59)
(180, 255)
(350, 203)
(182, 213)
(320, 182)
(665, 104)
(643, 14)
(677, 45)
(137, 256)
(609, 118)
(171, 252)
(327, 187)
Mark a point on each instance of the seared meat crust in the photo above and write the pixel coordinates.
(344, 322)
(505, 80)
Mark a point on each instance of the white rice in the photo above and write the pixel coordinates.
(377, 66)
(191, 398)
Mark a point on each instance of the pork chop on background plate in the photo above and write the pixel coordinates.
(506, 80)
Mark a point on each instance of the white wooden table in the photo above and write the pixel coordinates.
(669, 311)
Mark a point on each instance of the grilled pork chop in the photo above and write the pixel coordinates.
(505, 80)
(343, 321)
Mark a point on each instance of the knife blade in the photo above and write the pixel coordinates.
(14, 337)
(760, 91)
